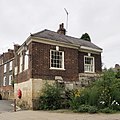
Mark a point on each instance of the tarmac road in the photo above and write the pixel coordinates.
(5, 106)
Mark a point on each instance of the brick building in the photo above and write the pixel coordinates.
(53, 56)
(6, 74)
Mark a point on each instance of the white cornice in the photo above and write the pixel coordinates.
(58, 43)
(90, 49)
(51, 42)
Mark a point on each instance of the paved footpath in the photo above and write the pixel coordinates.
(46, 115)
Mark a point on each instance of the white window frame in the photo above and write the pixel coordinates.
(10, 79)
(89, 68)
(21, 63)
(15, 70)
(62, 61)
(10, 65)
(26, 60)
(4, 81)
(5, 68)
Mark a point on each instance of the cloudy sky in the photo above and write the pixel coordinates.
(99, 18)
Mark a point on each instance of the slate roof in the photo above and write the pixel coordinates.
(47, 34)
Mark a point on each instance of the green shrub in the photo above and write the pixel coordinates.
(107, 110)
(83, 108)
(100, 95)
(93, 109)
(94, 94)
(115, 105)
(118, 73)
(66, 97)
(87, 108)
(74, 102)
(77, 98)
(51, 97)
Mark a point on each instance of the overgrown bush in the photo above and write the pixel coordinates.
(103, 95)
(118, 73)
(93, 109)
(74, 100)
(107, 110)
(51, 97)
(87, 108)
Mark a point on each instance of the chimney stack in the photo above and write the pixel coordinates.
(16, 47)
(61, 29)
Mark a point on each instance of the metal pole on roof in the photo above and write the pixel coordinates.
(66, 19)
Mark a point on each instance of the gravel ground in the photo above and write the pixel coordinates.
(47, 115)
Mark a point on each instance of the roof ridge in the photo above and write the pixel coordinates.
(38, 32)
(64, 38)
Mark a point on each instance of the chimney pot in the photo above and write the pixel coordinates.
(61, 29)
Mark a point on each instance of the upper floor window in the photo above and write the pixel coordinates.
(26, 60)
(89, 64)
(56, 59)
(21, 63)
(5, 68)
(10, 65)
(4, 81)
(1, 61)
(15, 70)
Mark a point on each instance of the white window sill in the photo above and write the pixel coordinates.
(57, 69)
(88, 72)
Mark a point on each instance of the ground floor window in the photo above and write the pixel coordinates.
(4, 81)
(10, 79)
(88, 64)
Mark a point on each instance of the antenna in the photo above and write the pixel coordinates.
(66, 19)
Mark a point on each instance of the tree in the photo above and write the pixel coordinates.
(86, 37)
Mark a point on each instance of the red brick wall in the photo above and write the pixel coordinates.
(97, 58)
(7, 56)
(25, 74)
(41, 62)
(6, 91)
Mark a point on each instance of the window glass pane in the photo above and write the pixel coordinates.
(10, 79)
(4, 81)
(10, 65)
(21, 62)
(89, 65)
(56, 59)
(5, 68)
(26, 60)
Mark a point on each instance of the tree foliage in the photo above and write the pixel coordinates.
(86, 37)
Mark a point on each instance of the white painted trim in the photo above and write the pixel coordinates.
(5, 67)
(10, 80)
(52, 42)
(93, 64)
(4, 81)
(57, 43)
(10, 65)
(56, 68)
(90, 49)
(53, 68)
(21, 63)
(21, 47)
